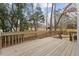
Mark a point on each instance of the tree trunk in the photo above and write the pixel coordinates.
(46, 16)
(51, 20)
(35, 26)
(60, 36)
(55, 17)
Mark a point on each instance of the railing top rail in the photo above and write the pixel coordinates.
(27, 32)
(18, 33)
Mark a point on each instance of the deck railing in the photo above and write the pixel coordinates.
(12, 38)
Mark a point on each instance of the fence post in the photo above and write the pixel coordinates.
(0, 40)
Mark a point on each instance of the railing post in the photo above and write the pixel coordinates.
(70, 36)
(0, 40)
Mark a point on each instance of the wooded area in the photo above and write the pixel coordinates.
(21, 17)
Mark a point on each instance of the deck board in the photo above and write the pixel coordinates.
(42, 47)
(66, 50)
(73, 53)
(70, 49)
(45, 49)
(60, 49)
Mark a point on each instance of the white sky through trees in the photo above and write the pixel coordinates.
(59, 6)
(44, 8)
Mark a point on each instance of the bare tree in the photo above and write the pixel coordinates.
(51, 18)
(64, 12)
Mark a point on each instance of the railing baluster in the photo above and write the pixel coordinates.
(15, 40)
(21, 38)
(12, 40)
(0, 40)
(8, 40)
(18, 38)
(5, 41)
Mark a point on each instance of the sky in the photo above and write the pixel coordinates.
(58, 6)
(44, 8)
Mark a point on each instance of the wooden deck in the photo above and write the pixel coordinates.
(42, 47)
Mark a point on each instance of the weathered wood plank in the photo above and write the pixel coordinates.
(70, 49)
(54, 50)
(42, 50)
(73, 53)
(60, 49)
(65, 50)
(19, 49)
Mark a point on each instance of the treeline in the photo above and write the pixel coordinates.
(20, 16)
